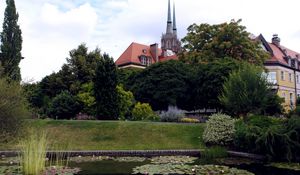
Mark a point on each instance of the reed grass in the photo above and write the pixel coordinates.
(33, 153)
(214, 152)
(59, 157)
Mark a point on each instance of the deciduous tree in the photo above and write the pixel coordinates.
(205, 42)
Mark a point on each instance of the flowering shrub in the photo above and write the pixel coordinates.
(172, 115)
(81, 116)
(189, 120)
(219, 130)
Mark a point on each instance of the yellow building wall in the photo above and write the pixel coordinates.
(286, 86)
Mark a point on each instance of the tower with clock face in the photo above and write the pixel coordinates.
(170, 44)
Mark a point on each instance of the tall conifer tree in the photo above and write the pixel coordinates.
(11, 43)
(105, 89)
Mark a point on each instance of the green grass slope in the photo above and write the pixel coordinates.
(118, 135)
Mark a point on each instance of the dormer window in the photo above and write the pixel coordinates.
(146, 61)
(293, 63)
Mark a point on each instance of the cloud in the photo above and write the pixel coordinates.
(51, 28)
(49, 38)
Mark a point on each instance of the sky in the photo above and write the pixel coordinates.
(51, 28)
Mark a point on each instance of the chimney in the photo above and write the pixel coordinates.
(154, 51)
(276, 40)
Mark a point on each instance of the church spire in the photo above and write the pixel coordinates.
(174, 20)
(169, 23)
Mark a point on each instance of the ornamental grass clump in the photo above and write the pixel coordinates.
(33, 153)
(219, 130)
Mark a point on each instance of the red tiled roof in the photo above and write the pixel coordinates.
(132, 53)
(279, 55)
(173, 57)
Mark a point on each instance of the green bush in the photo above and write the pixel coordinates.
(247, 132)
(143, 111)
(219, 130)
(275, 138)
(64, 106)
(125, 102)
(297, 110)
(12, 109)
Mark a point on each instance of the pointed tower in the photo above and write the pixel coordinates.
(169, 22)
(170, 44)
(174, 20)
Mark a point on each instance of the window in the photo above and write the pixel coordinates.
(282, 75)
(145, 60)
(291, 100)
(271, 77)
(283, 96)
(290, 77)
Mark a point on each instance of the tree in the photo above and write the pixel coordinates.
(64, 106)
(76, 77)
(208, 82)
(105, 84)
(245, 91)
(205, 42)
(83, 64)
(12, 109)
(11, 45)
(86, 97)
(163, 84)
(127, 76)
(125, 102)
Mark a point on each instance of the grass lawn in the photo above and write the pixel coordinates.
(118, 135)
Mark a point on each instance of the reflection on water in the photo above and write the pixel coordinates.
(115, 167)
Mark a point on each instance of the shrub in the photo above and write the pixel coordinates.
(172, 115)
(64, 106)
(245, 136)
(247, 132)
(278, 139)
(297, 110)
(189, 120)
(12, 110)
(125, 102)
(219, 130)
(143, 111)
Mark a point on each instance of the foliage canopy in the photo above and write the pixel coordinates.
(205, 42)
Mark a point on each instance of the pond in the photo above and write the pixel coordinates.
(126, 165)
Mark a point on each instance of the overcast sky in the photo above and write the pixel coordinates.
(51, 28)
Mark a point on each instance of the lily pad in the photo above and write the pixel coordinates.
(10, 170)
(235, 161)
(80, 159)
(165, 169)
(173, 160)
(61, 170)
(290, 166)
(130, 159)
